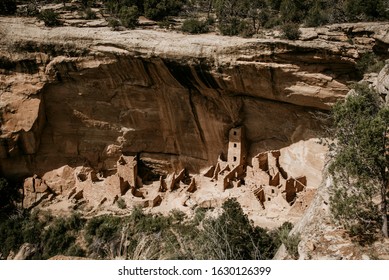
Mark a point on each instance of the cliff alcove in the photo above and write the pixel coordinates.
(76, 100)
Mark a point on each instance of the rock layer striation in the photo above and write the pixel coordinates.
(76, 98)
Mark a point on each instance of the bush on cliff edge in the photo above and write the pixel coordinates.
(7, 7)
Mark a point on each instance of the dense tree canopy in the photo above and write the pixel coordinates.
(7, 7)
(233, 17)
(359, 166)
(236, 16)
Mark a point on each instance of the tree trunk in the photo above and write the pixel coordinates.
(384, 209)
(210, 7)
(385, 187)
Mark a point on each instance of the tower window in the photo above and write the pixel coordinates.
(234, 132)
(234, 158)
(272, 191)
(235, 145)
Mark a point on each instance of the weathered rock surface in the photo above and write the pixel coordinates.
(72, 96)
(322, 239)
(382, 83)
(25, 252)
(78, 103)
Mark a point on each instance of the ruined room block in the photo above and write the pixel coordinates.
(162, 185)
(116, 186)
(156, 201)
(260, 196)
(209, 172)
(92, 176)
(226, 184)
(192, 186)
(275, 180)
(216, 172)
(273, 163)
(127, 168)
(301, 183)
(260, 162)
(262, 178)
(276, 153)
(290, 190)
(34, 191)
(236, 147)
(172, 182)
(135, 192)
(181, 175)
(79, 195)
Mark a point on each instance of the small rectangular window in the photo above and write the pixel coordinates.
(235, 133)
(234, 158)
(235, 145)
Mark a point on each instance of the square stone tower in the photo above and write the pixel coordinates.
(236, 147)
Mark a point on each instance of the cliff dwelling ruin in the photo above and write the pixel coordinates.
(264, 180)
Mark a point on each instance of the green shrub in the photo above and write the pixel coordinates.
(51, 236)
(5, 194)
(246, 30)
(369, 63)
(158, 10)
(272, 22)
(114, 23)
(360, 122)
(236, 26)
(291, 31)
(9, 194)
(274, 4)
(316, 16)
(361, 10)
(56, 239)
(30, 10)
(121, 203)
(233, 236)
(290, 11)
(210, 21)
(153, 224)
(232, 27)
(199, 215)
(10, 235)
(177, 216)
(90, 14)
(165, 24)
(8, 7)
(50, 17)
(281, 233)
(282, 236)
(103, 227)
(194, 26)
(32, 228)
(75, 251)
(87, 3)
(291, 244)
(75, 222)
(129, 16)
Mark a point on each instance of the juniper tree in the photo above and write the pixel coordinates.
(360, 163)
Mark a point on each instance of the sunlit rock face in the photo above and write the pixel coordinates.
(83, 97)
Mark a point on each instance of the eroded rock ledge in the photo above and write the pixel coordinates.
(76, 98)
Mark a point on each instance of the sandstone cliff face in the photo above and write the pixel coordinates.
(82, 97)
(321, 237)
